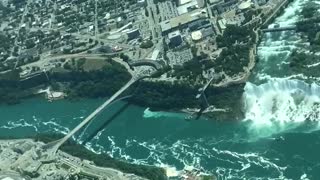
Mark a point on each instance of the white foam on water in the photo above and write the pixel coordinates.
(313, 65)
(192, 155)
(304, 177)
(269, 51)
(171, 171)
(117, 151)
(246, 159)
(147, 113)
(280, 104)
(55, 126)
(275, 48)
(290, 15)
(98, 149)
(19, 124)
(80, 117)
(263, 76)
(266, 49)
(35, 118)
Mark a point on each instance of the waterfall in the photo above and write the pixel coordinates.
(274, 98)
(282, 101)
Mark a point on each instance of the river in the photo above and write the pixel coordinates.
(278, 139)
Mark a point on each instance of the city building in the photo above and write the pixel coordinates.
(196, 25)
(107, 16)
(187, 7)
(219, 8)
(207, 32)
(133, 34)
(181, 21)
(175, 38)
(201, 3)
(245, 5)
(196, 35)
(201, 34)
(233, 18)
(261, 2)
(182, 2)
(222, 24)
(214, 1)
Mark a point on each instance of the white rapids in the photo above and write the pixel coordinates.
(280, 104)
(282, 100)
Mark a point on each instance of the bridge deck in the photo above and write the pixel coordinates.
(93, 114)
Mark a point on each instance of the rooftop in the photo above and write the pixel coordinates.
(214, 1)
(182, 9)
(181, 2)
(7, 178)
(183, 19)
(155, 54)
(196, 35)
(174, 34)
(245, 5)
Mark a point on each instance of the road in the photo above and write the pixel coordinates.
(42, 63)
(53, 14)
(25, 12)
(153, 20)
(96, 28)
(150, 20)
(84, 36)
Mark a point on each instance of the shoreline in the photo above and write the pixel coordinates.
(71, 152)
(227, 82)
(215, 96)
(84, 162)
(253, 50)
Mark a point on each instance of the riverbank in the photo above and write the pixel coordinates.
(89, 165)
(104, 160)
(40, 116)
(164, 96)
